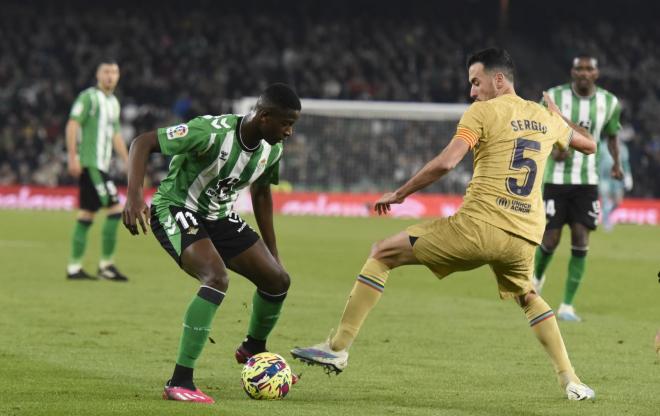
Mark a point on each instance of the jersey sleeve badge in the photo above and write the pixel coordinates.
(177, 132)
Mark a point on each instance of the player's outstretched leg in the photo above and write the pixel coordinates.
(367, 290)
(202, 261)
(544, 325)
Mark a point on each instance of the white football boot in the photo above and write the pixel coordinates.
(567, 313)
(579, 391)
(322, 355)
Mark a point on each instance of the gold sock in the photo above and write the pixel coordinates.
(365, 294)
(544, 325)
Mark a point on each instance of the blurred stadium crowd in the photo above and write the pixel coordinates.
(182, 59)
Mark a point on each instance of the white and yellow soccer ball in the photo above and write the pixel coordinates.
(266, 376)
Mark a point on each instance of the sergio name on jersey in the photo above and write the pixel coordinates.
(511, 139)
(210, 164)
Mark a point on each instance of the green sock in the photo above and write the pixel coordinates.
(197, 325)
(265, 312)
(576, 266)
(79, 240)
(541, 261)
(109, 236)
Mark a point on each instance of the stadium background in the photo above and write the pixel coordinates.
(450, 348)
(194, 58)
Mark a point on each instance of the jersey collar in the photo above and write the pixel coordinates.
(240, 139)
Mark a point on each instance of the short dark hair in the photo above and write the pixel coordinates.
(494, 58)
(281, 96)
(106, 60)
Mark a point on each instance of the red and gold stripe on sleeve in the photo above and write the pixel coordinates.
(467, 135)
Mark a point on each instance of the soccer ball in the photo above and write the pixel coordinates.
(266, 376)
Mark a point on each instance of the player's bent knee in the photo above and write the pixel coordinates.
(214, 277)
(279, 283)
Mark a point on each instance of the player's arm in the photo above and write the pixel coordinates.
(120, 147)
(135, 210)
(431, 172)
(581, 139)
(71, 134)
(613, 148)
(262, 204)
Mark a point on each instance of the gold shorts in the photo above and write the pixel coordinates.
(460, 243)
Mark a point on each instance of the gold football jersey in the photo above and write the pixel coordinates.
(511, 140)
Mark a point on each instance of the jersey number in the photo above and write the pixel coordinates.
(519, 161)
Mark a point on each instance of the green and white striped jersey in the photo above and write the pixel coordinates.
(600, 115)
(98, 115)
(211, 165)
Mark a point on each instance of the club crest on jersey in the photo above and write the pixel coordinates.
(176, 132)
(262, 162)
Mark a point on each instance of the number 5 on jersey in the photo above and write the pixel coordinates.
(518, 162)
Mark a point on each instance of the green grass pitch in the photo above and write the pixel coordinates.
(429, 348)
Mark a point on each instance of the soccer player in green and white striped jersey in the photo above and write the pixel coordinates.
(213, 158)
(571, 179)
(95, 119)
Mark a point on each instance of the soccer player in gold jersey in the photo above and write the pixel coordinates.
(500, 222)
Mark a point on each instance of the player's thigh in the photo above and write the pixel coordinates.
(176, 229)
(579, 235)
(585, 206)
(258, 265)
(515, 265)
(447, 245)
(88, 196)
(556, 201)
(394, 251)
(103, 187)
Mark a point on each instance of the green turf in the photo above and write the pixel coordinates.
(429, 348)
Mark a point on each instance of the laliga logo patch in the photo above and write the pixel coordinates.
(176, 132)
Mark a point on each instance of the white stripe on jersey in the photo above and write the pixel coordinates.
(578, 157)
(566, 110)
(208, 174)
(100, 131)
(210, 144)
(601, 116)
(261, 167)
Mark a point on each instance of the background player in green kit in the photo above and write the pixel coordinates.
(570, 192)
(95, 115)
(214, 157)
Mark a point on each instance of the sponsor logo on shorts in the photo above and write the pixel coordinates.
(177, 132)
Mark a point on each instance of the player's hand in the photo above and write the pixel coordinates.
(551, 104)
(560, 155)
(135, 212)
(74, 167)
(382, 206)
(617, 173)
